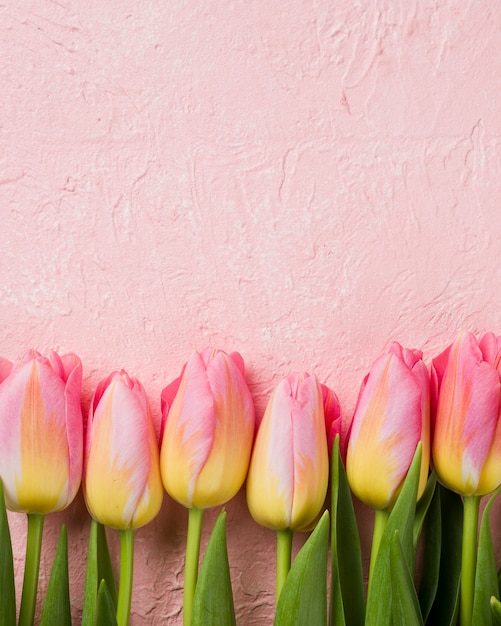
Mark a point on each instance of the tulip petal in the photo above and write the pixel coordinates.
(122, 479)
(467, 416)
(287, 479)
(5, 368)
(385, 431)
(34, 462)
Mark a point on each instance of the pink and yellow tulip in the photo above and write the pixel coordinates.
(41, 430)
(466, 444)
(209, 422)
(289, 469)
(122, 483)
(391, 417)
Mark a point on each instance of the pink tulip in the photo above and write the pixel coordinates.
(122, 484)
(289, 469)
(208, 416)
(466, 444)
(391, 417)
(41, 430)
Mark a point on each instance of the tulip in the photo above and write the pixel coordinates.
(466, 423)
(208, 417)
(466, 445)
(391, 417)
(41, 431)
(208, 428)
(289, 469)
(122, 483)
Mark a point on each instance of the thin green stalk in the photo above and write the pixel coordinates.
(31, 569)
(380, 520)
(195, 519)
(284, 558)
(126, 576)
(471, 506)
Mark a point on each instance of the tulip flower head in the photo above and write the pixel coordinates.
(208, 422)
(41, 430)
(122, 484)
(289, 469)
(466, 389)
(391, 417)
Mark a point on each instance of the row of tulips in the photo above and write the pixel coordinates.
(208, 446)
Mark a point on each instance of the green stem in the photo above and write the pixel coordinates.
(31, 569)
(284, 558)
(380, 520)
(471, 506)
(126, 576)
(195, 519)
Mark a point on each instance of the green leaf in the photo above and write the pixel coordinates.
(7, 583)
(213, 602)
(423, 505)
(303, 600)
(57, 608)
(430, 569)
(406, 608)
(98, 568)
(486, 579)
(104, 566)
(401, 519)
(347, 599)
(105, 615)
(445, 607)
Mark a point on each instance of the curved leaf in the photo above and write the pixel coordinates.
(406, 608)
(347, 599)
(432, 543)
(401, 519)
(57, 608)
(445, 606)
(98, 568)
(213, 602)
(303, 599)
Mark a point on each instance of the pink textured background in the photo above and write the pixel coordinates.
(301, 181)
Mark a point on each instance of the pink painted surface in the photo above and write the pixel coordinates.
(303, 182)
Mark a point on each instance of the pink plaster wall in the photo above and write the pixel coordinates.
(302, 181)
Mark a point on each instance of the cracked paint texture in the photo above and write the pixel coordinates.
(302, 181)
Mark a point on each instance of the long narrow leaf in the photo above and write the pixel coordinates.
(445, 607)
(7, 584)
(213, 602)
(57, 608)
(303, 599)
(91, 579)
(430, 570)
(423, 506)
(379, 601)
(486, 579)
(347, 600)
(98, 568)
(406, 608)
(104, 566)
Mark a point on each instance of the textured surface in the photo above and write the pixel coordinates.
(302, 181)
